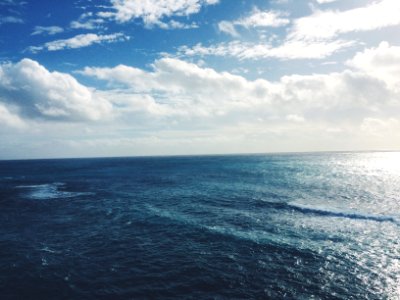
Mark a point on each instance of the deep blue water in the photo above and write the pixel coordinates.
(298, 226)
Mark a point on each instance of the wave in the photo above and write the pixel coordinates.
(226, 229)
(49, 191)
(331, 212)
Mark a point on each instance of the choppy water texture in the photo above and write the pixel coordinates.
(304, 226)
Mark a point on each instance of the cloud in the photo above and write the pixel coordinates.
(382, 61)
(38, 93)
(11, 19)
(179, 99)
(49, 30)
(325, 1)
(152, 12)
(87, 24)
(381, 127)
(87, 21)
(187, 89)
(172, 24)
(10, 11)
(263, 19)
(311, 37)
(228, 27)
(291, 49)
(330, 23)
(295, 118)
(79, 41)
(256, 19)
(188, 93)
(9, 119)
(12, 3)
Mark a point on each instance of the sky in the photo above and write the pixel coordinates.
(89, 78)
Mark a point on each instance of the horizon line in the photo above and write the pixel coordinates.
(201, 155)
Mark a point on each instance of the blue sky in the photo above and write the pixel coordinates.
(129, 77)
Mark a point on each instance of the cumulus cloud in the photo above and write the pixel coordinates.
(49, 30)
(152, 12)
(182, 93)
(79, 41)
(188, 98)
(37, 93)
(382, 61)
(10, 119)
(185, 88)
(179, 89)
(182, 86)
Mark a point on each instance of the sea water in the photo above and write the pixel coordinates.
(278, 226)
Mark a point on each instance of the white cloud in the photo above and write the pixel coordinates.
(188, 89)
(256, 19)
(50, 30)
(87, 24)
(183, 84)
(188, 93)
(186, 99)
(263, 19)
(382, 61)
(295, 118)
(79, 41)
(38, 93)
(330, 23)
(172, 24)
(9, 119)
(291, 49)
(325, 1)
(228, 27)
(311, 37)
(153, 11)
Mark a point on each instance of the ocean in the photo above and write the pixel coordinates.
(273, 226)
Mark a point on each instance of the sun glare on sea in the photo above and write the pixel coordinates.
(388, 162)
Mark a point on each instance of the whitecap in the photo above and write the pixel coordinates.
(49, 191)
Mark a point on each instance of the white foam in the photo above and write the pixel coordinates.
(49, 191)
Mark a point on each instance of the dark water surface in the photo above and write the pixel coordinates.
(299, 226)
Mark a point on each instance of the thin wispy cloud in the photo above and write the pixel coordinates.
(257, 19)
(87, 21)
(47, 30)
(80, 41)
(11, 20)
(287, 51)
(228, 28)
